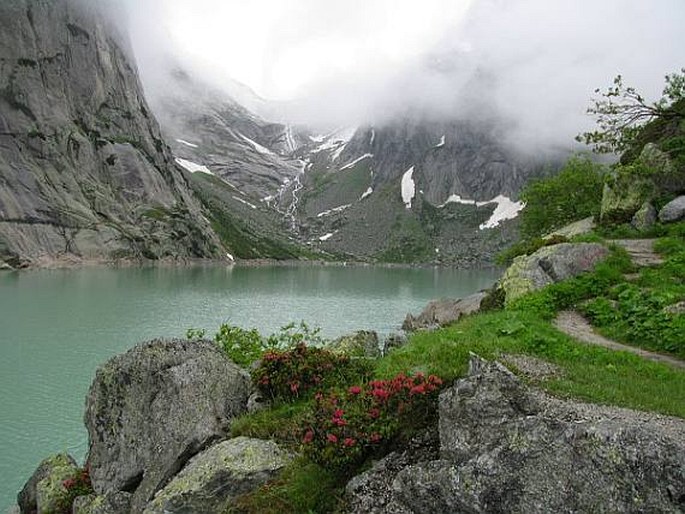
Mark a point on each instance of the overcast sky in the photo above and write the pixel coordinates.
(352, 61)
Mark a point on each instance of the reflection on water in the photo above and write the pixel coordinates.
(57, 326)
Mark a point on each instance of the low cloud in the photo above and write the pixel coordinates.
(532, 63)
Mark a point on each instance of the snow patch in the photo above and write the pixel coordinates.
(290, 143)
(244, 202)
(183, 142)
(193, 167)
(463, 201)
(333, 211)
(408, 187)
(318, 139)
(258, 148)
(506, 210)
(366, 193)
(373, 137)
(230, 256)
(327, 236)
(350, 165)
(441, 143)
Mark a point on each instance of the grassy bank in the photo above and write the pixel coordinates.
(585, 372)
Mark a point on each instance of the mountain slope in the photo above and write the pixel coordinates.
(84, 171)
(414, 191)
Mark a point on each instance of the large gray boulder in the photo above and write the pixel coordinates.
(507, 448)
(549, 265)
(44, 491)
(673, 211)
(440, 313)
(215, 477)
(151, 409)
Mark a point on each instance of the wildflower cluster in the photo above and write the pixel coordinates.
(77, 485)
(292, 374)
(345, 427)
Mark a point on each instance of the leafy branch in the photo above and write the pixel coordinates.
(621, 112)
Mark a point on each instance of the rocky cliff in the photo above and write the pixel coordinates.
(84, 172)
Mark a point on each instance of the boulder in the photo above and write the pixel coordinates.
(215, 477)
(623, 195)
(151, 409)
(676, 308)
(577, 228)
(393, 341)
(507, 448)
(440, 313)
(44, 489)
(644, 218)
(673, 211)
(548, 265)
(363, 343)
(663, 171)
(117, 502)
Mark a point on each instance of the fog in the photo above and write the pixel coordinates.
(531, 63)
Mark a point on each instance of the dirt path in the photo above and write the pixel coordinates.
(576, 326)
(641, 251)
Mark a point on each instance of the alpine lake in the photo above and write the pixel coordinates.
(58, 326)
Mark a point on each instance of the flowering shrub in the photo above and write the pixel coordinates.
(345, 427)
(292, 374)
(75, 486)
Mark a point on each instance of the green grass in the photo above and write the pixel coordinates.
(590, 373)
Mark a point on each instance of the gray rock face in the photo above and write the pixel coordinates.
(504, 448)
(440, 313)
(549, 265)
(212, 479)
(673, 211)
(151, 409)
(84, 170)
(644, 218)
(117, 502)
(52, 469)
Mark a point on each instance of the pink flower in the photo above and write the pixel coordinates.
(375, 437)
(354, 390)
(338, 413)
(349, 442)
(308, 437)
(374, 413)
(332, 438)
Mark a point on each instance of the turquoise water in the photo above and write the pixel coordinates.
(57, 326)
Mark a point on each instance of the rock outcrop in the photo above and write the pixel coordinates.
(645, 217)
(84, 170)
(440, 313)
(116, 502)
(151, 409)
(549, 265)
(213, 478)
(44, 491)
(506, 448)
(673, 211)
(363, 343)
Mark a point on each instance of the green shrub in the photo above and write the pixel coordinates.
(240, 345)
(346, 427)
(293, 374)
(575, 193)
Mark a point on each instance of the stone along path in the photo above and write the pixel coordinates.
(641, 251)
(572, 323)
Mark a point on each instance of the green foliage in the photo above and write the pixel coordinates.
(302, 488)
(282, 422)
(588, 372)
(195, 333)
(346, 427)
(293, 374)
(621, 113)
(527, 247)
(575, 193)
(240, 345)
